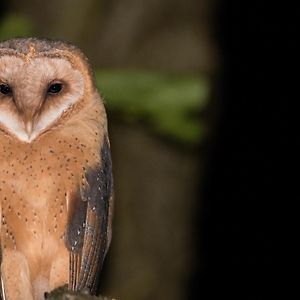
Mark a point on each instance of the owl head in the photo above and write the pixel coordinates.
(42, 82)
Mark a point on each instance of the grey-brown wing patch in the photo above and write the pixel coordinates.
(87, 232)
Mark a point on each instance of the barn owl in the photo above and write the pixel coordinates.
(56, 189)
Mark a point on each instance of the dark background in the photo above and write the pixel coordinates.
(247, 181)
(200, 220)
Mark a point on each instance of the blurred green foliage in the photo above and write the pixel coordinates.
(15, 25)
(169, 103)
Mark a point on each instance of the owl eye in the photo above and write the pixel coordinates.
(54, 88)
(5, 89)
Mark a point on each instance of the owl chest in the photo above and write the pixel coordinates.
(37, 180)
(33, 192)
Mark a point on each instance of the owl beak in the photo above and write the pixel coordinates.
(28, 128)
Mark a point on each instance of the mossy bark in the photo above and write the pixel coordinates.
(63, 294)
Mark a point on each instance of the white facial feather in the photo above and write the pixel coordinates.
(36, 74)
(76, 82)
(14, 125)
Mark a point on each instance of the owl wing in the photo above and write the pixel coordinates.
(88, 231)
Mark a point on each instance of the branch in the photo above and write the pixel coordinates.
(62, 293)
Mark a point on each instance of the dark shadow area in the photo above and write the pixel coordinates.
(244, 182)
